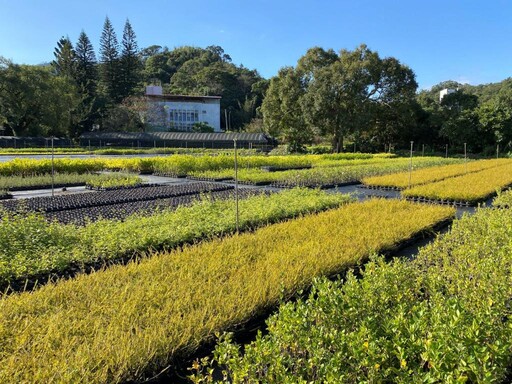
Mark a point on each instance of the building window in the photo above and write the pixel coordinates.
(183, 119)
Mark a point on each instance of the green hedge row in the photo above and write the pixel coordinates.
(30, 247)
(442, 318)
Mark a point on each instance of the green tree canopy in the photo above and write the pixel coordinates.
(130, 65)
(34, 102)
(282, 111)
(109, 62)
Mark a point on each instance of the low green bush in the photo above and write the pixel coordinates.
(442, 318)
(127, 323)
(29, 246)
(113, 180)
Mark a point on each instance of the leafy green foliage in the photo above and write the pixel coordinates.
(32, 247)
(443, 317)
(354, 93)
(472, 187)
(127, 322)
(63, 179)
(503, 199)
(113, 180)
(35, 102)
(282, 113)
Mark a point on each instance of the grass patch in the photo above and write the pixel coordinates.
(30, 247)
(471, 188)
(122, 323)
(442, 318)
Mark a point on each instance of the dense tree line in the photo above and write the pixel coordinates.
(373, 102)
(347, 98)
(480, 116)
(78, 92)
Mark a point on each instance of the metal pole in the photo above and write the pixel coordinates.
(465, 159)
(498, 151)
(53, 170)
(423, 150)
(410, 165)
(446, 150)
(236, 187)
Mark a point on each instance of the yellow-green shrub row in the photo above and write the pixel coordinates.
(115, 325)
(32, 248)
(344, 172)
(442, 318)
(429, 175)
(471, 188)
(178, 164)
(503, 200)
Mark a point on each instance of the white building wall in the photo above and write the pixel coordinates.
(208, 111)
(445, 92)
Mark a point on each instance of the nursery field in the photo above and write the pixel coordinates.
(128, 322)
(432, 174)
(470, 188)
(117, 151)
(31, 248)
(121, 211)
(344, 172)
(183, 165)
(17, 183)
(109, 197)
(120, 283)
(442, 318)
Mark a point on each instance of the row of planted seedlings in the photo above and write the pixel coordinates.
(322, 177)
(31, 248)
(128, 322)
(176, 165)
(403, 180)
(121, 211)
(441, 318)
(193, 166)
(58, 180)
(123, 151)
(468, 189)
(109, 197)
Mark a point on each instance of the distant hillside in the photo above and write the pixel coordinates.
(484, 92)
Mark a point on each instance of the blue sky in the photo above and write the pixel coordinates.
(464, 40)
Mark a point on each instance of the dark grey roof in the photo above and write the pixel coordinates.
(182, 97)
(177, 136)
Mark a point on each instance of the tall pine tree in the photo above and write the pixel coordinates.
(64, 63)
(130, 63)
(86, 79)
(109, 62)
(85, 64)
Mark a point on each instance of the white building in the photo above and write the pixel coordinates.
(445, 92)
(180, 112)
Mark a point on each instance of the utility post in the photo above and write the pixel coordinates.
(410, 165)
(465, 158)
(236, 187)
(53, 170)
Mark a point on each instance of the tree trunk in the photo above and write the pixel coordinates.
(337, 143)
